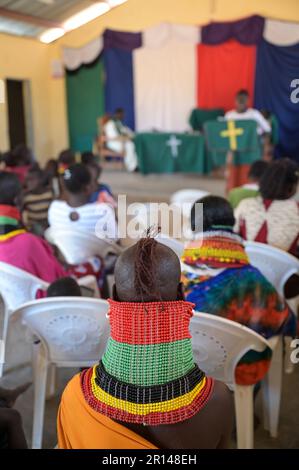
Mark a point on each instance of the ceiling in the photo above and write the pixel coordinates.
(32, 17)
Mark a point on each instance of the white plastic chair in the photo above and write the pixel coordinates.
(185, 198)
(218, 345)
(16, 287)
(277, 266)
(73, 332)
(77, 246)
(176, 245)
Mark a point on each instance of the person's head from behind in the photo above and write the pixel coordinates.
(10, 189)
(242, 101)
(64, 287)
(280, 180)
(95, 173)
(119, 114)
(21, 155)
(36, 179)
(77, 181)
(51, 168)
(257, 170)
(212, 213)
(66, 158)
(147, 272)
(88, 157)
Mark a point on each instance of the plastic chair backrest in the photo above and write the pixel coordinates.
(218, 345)
(187, 195)
(77, 246)
(185, 198)
(173, 243)
(276, 265)
(18, 286)
(72, 329)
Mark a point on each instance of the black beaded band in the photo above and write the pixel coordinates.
(149, 394)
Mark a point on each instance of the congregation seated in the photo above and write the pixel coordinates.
(143, 394)
(27, 251)
(250, 189)
(272, 217)
(18, 161)
(51, 171)
(219, 279)
(37, 198)
(19, 247)
(76, 212)
(101, 192)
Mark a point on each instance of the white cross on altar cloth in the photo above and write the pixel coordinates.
(174, 143)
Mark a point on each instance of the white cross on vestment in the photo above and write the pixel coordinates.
(174, 143)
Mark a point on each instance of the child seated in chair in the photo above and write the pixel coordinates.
(146, 392)
(26, 251)
(36, 201)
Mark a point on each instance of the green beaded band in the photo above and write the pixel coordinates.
(148, 365)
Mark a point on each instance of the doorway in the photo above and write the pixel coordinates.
(19, 112)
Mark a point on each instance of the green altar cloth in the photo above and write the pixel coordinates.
(239, 136)
(170, 153)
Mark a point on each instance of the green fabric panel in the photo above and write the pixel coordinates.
(236, 195)
(248, 144)
(199, 116)
(156, 156)
(85, 103)
(150, 364)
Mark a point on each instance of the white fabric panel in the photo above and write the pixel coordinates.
(75, 57)
(165, 78)
(162, 33)
(281, 33)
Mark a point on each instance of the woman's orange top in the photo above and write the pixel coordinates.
(81, 427)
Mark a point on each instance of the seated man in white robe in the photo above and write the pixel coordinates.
(119, 139)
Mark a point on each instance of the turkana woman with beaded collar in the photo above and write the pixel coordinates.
(219, 279)
(146, 391)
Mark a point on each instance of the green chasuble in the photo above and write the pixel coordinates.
(239, 136)
(85, 103)
(170, 152)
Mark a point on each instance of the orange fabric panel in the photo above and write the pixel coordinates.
(222, 70)
(80, 427)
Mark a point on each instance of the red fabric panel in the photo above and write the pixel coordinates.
(222, 71)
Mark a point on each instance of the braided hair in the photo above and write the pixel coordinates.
(145, 269)
(279, 180)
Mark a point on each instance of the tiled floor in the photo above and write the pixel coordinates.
(139, 188)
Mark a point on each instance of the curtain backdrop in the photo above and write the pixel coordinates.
(119, 89)
(246, 31)
(165, 78)
(277, 67)
(85, 103)
(222, 71)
